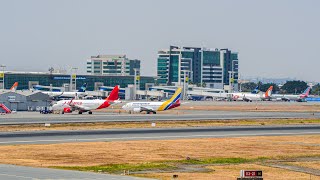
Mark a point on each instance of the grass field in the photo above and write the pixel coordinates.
(206, 158)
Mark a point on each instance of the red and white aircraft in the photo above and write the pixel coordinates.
(67, 106)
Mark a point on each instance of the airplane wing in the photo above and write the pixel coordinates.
(146, 108)
(248, 99)
(78, 107)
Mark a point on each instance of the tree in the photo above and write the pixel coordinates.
(315, 90)
(294, 87)
(248, 87)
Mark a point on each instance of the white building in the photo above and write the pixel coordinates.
(111, 65)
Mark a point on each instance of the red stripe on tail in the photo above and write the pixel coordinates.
(114, 94)
(14, 87)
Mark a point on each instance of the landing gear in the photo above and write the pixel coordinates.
(151, 112)
(90, 112)
(80, 112)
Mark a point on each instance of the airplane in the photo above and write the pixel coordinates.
(292, 97)
(249, 97)
(80, 93)
(87, 105)
(153, 107)
(12, 89)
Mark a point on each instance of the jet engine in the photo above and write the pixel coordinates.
(67, 110)
(136, 109)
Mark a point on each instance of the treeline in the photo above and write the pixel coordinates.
(290, 87)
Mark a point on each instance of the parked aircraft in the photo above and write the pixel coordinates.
(292, 97)
(249, 97)
(80, 93)
(87, 105)
(153, 107)
(12, 89)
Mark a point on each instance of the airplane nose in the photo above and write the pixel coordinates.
(55, 107)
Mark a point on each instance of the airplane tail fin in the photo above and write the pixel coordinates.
(14, 86)
(83, 88)
(268, 93)
(256, 90)
(306, 92)
(114, 94)
(173, 102)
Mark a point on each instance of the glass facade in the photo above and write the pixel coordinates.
(174, 68)
(112, 65)
(230, 65)
(59, 80)
(211, 66)
(162, 70)
(211, 58)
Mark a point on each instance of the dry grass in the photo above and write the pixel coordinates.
(227, 172)
(159, 124)
(100, 153)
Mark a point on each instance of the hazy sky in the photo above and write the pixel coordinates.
(274, 38)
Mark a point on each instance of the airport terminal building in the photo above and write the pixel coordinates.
(28, 79)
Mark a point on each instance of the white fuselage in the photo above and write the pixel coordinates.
(137, 105)
(290, 97)
(86, 105)
(248, 96)
(65, 94)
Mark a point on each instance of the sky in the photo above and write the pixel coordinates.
(274, 39)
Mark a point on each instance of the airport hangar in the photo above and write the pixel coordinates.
(24, 100)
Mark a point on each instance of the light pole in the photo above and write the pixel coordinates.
(184, 83)
(2, 75)
(135, 82)
(73, 78)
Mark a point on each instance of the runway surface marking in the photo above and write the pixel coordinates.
(159, 137)
(11, 175)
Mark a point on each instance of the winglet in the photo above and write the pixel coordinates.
(14, 86)
(114, 94)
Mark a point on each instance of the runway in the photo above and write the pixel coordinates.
(36, 118)
(51, 137)
(11, 172)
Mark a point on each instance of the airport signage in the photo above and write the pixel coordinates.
(1, 75)
(68, 78)
(11, 98)
(247, 173)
